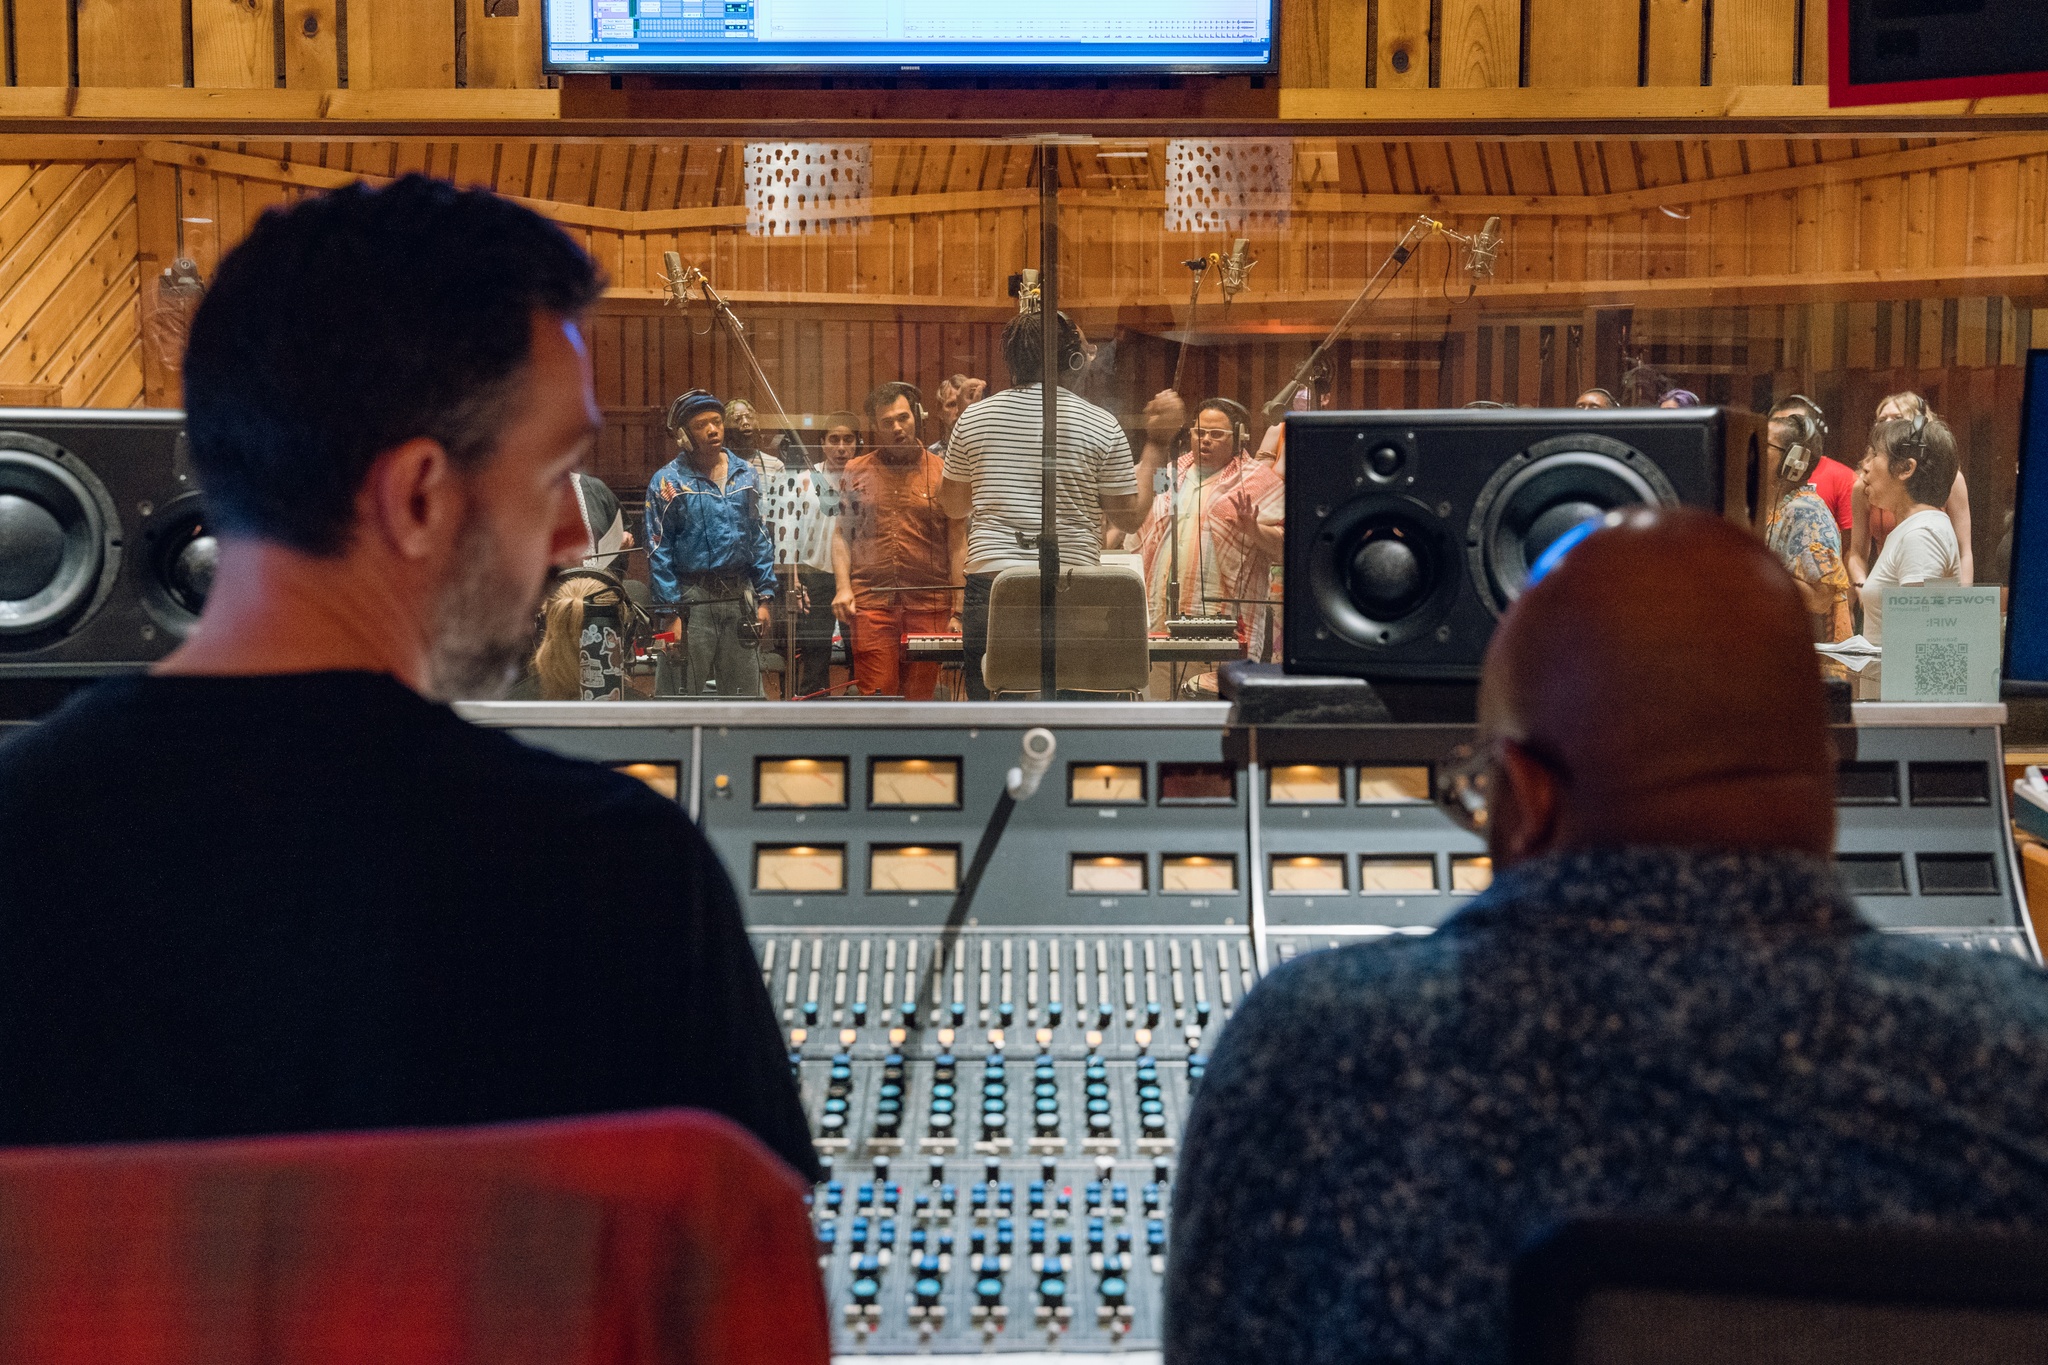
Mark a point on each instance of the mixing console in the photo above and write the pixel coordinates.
(999, 1115)
(1000, 1109)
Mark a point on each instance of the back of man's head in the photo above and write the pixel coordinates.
(351, 322)
(1660, 687)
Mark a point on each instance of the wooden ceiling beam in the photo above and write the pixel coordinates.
(965, 114)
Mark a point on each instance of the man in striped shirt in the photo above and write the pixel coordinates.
(993, 475)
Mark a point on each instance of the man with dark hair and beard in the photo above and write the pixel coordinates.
(277, 885)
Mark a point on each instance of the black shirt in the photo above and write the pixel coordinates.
(316, 902)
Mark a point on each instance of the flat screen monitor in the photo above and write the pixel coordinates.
(2026, 621)
(1093, 36)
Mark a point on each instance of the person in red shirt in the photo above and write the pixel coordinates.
(895, 552)
(1797, 420)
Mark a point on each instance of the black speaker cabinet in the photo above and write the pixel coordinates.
(1409, 533)
(104, 553)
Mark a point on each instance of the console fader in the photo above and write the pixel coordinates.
(1002, 1109)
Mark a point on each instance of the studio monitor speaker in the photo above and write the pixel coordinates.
(1409, 533)
(105, 557)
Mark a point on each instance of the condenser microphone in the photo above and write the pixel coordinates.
(1235, 267)
(1484, 250)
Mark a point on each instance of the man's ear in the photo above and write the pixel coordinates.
(412, 497)
(1526, 822)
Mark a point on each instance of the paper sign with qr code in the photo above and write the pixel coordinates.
(1941, 643)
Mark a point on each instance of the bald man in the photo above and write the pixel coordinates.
(1665, 1004)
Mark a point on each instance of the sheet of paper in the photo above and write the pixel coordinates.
(1941, 643)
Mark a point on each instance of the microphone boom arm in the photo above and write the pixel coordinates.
(1382, 279)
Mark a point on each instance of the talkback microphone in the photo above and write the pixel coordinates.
(1235, 267)
(1483, 251)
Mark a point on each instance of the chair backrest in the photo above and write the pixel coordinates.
(1102, 644)
(667, 1236)
(1678, 1292)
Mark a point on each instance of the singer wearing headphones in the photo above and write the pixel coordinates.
(1801, 532)
(1908, 471)
(895, 552)
(709, 554)
(993, 475)
(1798, 420)
(1202, 539)
(1874, 524)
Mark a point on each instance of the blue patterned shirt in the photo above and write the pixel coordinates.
(694, 527)
(1638, 1031)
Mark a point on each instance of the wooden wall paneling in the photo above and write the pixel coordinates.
(1839, 221)
(1674, 42)
(1402, 60)
(1952, 200)
(312, 45)
(614, 165)
(234, 44)
(111, 323)
(95, 293)
(1771, 232)
(1994, 213)
(401, 45)
(1968, 353)
(1813, 65)
(122, 385)
(2033, 211)
(574, 173)
(31, 274)
(1727, 225)
(156, 198)
(1916, 226)
(1881, 231)
(42, 42)
(1583, 42)
(131, 42)
(1479, 44)
(504, 50)
(1754, 41)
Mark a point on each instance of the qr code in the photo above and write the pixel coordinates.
(1941, 668)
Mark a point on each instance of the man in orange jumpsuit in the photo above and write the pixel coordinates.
(896, 554)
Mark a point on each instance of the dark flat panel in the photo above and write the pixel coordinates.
(1958, 874)
(1872, 874)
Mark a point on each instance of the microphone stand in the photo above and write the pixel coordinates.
(1200, 267)
(1382, 279)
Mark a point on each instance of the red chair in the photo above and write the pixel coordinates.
(672, 1236)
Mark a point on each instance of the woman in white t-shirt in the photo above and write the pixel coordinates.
(1908, 472)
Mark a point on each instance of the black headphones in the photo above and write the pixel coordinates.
(1916, 439)
(1240, 419)
(893, 390)
(1603, 393)
(674, 418)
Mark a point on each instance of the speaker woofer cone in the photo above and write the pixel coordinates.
(59, 540)
(1544, 492)
(1385, 571)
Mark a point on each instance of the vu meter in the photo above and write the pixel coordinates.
(1106, 784)
(1197, 874)
(914, 868)
(1308, 874)
(799, 867)
(928, 782)
(1389, 786)
(1107, 874)
(1307, 784)
(1471, 874)
(1396, 876)
(800, 783)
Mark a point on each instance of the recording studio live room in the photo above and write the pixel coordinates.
(1149, 682)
